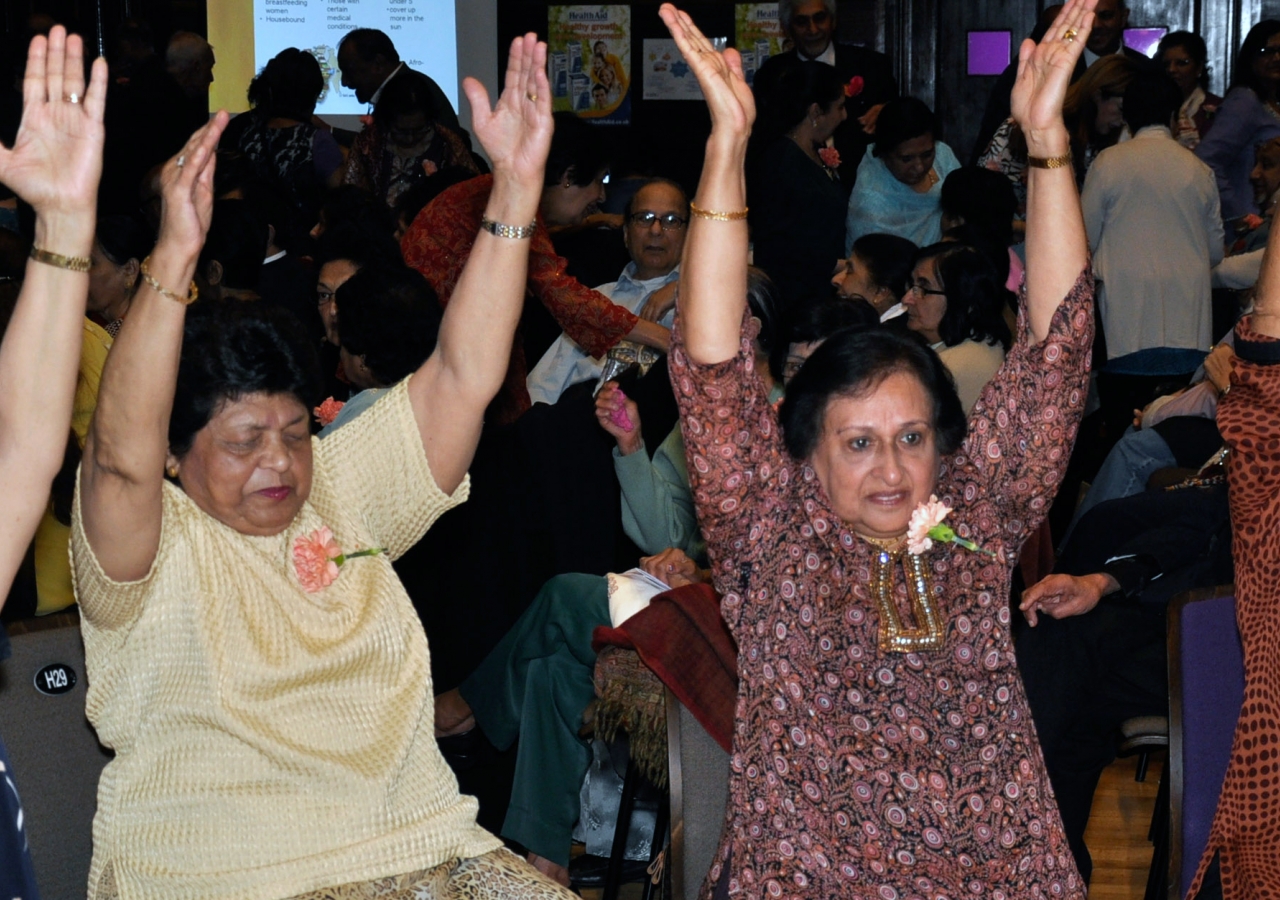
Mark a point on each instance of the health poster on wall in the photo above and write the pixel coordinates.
(590, 61)
(757, 35)
(665, 74)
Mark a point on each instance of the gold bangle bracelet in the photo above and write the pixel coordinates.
(193, 293)
(58, 261)
(1050, 162)
(717, 216)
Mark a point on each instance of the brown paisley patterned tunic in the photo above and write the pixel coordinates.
(866, 774)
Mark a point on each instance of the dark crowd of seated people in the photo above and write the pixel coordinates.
(794, 363)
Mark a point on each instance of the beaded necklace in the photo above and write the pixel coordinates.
(895, 636)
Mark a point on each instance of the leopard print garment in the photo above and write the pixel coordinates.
(497, 875)
(1246, 828)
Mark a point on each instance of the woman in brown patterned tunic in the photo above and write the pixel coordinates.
(883, 747)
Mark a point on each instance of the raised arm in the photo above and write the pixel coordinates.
(1266, 303)
(54, 165)
(122, 472)
(456, 383)
(713, 275)
(1057, 247)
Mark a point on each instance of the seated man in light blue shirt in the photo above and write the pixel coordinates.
(653, 231)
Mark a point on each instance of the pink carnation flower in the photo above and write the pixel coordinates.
(830, 157)
(925, 518)
(327, 411)
(316, 559)
(854, 87)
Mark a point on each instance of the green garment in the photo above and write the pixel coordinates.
(535, 685)
(657, 506)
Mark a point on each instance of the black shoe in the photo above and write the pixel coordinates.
(589, 871)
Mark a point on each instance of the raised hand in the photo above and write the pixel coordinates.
(719, 74)
(609, 401)
(1045, 69)
(186, 191)
(516, 133)
(56, 160)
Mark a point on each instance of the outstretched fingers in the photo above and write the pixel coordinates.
(73, 69)
(55, 63)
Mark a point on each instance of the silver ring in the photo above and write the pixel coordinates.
(182, 161)
(73, 98)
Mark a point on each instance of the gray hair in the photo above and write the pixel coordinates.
(185, 48)
(786, 8)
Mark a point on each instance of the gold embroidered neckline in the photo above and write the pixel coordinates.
(895, 636)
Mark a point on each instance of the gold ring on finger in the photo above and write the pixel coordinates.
(1069, 35)
(533, 98)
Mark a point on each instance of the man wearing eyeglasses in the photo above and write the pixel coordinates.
(866, 74)
(654, 227)
(1110, 19)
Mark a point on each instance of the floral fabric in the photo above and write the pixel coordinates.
(867, 774)
(438, 243)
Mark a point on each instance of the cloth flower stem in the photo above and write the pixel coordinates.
(944, 534)
(342, 558)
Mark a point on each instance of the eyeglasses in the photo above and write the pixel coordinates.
(1269, 50)
(818, 19)
(923, 291)
(668, 221)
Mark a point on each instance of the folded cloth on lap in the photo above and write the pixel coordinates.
(681, 637)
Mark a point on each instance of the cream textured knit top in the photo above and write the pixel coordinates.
(271, 741)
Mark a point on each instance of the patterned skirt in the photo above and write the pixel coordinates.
(497, 875)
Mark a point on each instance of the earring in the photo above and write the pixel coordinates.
(171, 471)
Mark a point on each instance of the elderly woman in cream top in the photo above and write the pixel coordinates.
(254, 661)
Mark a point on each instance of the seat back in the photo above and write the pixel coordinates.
(56, 756)
(1206, 690)
(699, 783)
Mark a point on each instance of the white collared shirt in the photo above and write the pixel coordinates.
(827, 56)
(373, 101)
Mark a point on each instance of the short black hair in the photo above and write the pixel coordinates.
(809, 322)
(852, 363)
(368, 43)
(353, 205)
(415, 198)
(391, 317)
(1194, 46)
(1152, 98)
(231, 350)
(975, 309)
(123, 238)
(348, 240)
(901, 120)
(237, 240)
(889, 259)
(800, 84)
(577, 150)
(982, 198)
(288, 85)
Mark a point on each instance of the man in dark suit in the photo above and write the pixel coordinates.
(369, 61)
(867, 75)
(1110, 20)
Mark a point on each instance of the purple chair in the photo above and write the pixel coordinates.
(1206, 691)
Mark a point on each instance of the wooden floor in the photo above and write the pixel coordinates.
(1117, 835)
